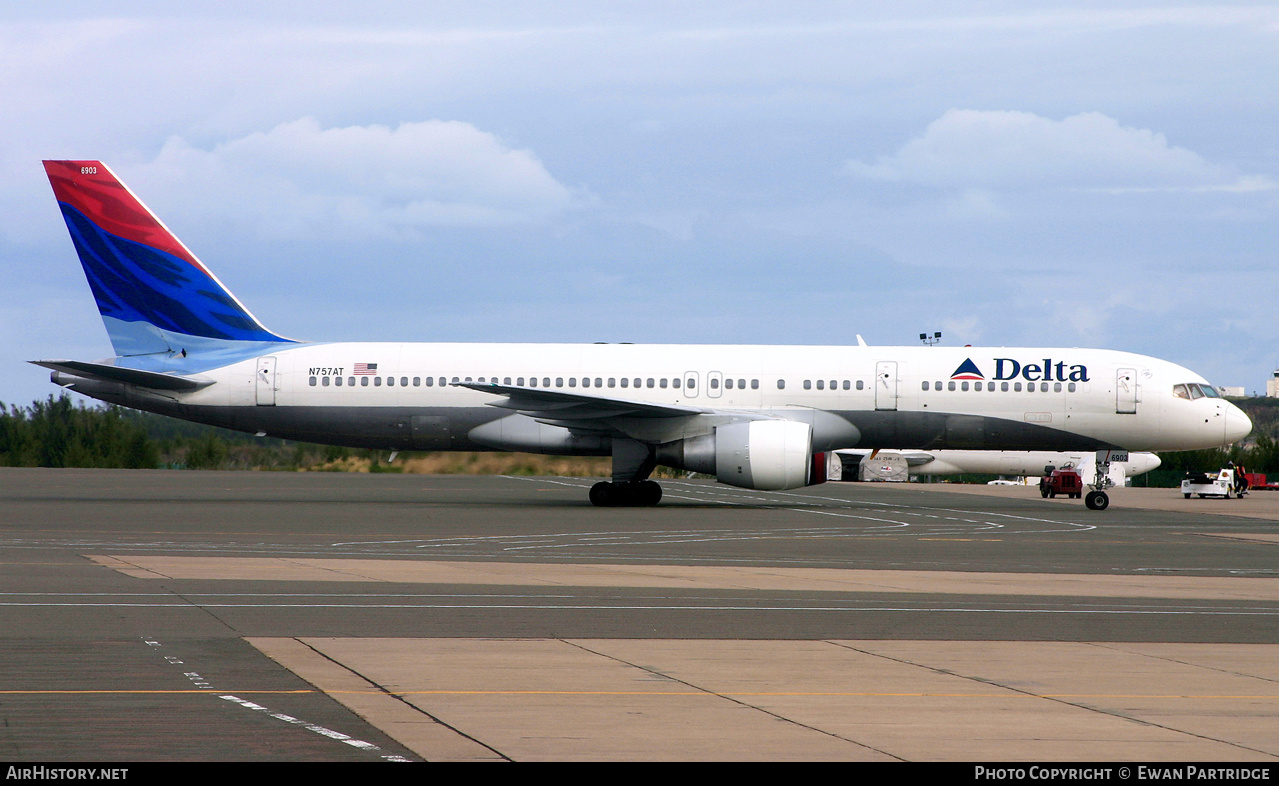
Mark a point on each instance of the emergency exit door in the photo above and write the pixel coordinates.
(266, 381)
(886, 385)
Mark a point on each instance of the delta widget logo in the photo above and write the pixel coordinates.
(967, 370)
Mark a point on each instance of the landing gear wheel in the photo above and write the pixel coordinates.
(1096, 500)
(602, 495)
(643, 493)
(650, 492)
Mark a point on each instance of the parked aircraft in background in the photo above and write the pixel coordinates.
(760, 417)
(1020, 463)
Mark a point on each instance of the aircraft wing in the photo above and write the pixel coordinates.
(914, 458)
(578, 411)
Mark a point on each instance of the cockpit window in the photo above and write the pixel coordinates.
(1210, 391)
(1181, 391)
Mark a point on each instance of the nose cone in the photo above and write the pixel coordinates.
(1142, 462)
(1238, 425)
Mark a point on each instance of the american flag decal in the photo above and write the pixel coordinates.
(365, 369)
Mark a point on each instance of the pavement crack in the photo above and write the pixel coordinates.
(731, 699)
(401, 699)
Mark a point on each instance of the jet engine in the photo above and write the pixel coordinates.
(768, 455)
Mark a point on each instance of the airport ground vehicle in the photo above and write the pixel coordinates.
(1061, 481)
(1222, 484)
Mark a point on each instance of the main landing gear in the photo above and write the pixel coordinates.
(633, 462)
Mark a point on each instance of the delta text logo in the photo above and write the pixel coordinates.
(1007, 368)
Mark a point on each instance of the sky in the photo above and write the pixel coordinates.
(1008, 173)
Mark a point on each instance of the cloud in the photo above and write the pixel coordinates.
(301, 179)
(1005, 150)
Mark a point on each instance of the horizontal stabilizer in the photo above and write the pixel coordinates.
(128, 376)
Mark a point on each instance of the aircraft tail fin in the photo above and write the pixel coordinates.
(155, 297)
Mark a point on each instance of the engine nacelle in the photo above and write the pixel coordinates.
(769, 455)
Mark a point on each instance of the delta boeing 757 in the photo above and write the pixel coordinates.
(758, 417)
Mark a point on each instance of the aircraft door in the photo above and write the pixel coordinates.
(1126, 391)
(266, 381)
(886, 385)
(690, 384)
(714, 384)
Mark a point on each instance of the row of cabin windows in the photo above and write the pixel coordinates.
(587, 382)
(1003, 386)
(533, 382)
(821, 384)
(663, 383)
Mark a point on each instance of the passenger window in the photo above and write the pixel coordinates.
(754, 384)
(626, 382)
(314, 382)
(364, 382)
(675, 383)
(1043, 387)
(925, 386)
(1070, 387)
(377, 382)
(350, 381)
(1003, 387)
(781, 384)
(847, 386)
(559, 382)
(337, 381)
(572, 382)
(1016, 387)
(861, 385)
(950, 385)
(728, 384)
(1056, 387)
(808, 384)
(326, 382)
(506, 380)
(637, 382)
(963, 386)
(390, 382)
(546, 382)
(650, 382)
(662, 382)
(532, 382)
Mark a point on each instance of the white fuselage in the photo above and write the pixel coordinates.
(403, 394)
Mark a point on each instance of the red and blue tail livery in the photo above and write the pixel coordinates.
(155, 297)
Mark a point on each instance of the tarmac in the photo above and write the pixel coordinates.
(218, 616)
